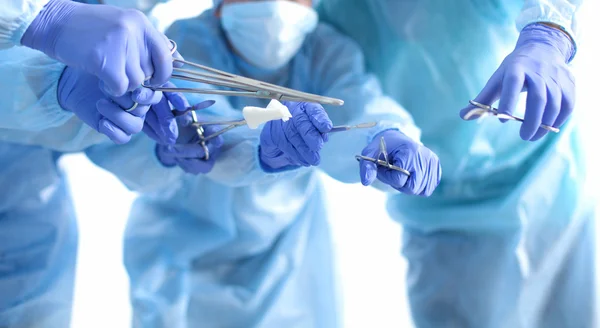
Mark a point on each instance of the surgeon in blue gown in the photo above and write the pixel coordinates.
(38, 231)
(507, 240)
(246, 245)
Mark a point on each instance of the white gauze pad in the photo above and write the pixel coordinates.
(256, 116)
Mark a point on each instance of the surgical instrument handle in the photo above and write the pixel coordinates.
(341, 128)
(509, 117)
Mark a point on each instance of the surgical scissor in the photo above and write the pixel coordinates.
(385, 162)
(483, 110)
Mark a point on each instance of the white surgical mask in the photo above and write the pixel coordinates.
(268, 33)
(141, 5)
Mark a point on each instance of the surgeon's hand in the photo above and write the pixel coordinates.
(119, 46)
(422, 163)
(187, 153)
(79, 93)
(298, 141)
(538, 65)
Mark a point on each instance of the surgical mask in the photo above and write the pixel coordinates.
(268, 33)
(141, 5)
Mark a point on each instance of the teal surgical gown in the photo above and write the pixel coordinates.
(240, 247)
(507, 238)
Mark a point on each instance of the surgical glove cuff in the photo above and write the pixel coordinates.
(66, 83)
(274, 164)
(46, 27)
(544, 34)
(159, 151)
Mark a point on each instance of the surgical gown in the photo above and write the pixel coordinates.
(240, 247)
(38, 232)
(507, 238)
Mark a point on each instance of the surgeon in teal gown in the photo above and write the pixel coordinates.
(507, 239)
(242, 246)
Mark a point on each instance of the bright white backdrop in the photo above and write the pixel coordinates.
(367, 241)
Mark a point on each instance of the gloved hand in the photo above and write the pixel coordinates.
(538, 65)
(298, 141)
(422, 163)
(119, 46)
(187, 153)
(79, 92)
(160, 124)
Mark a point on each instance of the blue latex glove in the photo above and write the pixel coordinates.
(538, 65)
(79, 92)
(160, 124)
(297, 142)
(422, 163)
(187, 153)
(119, 46)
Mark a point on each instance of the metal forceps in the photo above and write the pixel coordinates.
(234, 124)
(482, 110)
(385, 162)
(249, 88)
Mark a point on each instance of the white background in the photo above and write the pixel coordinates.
(368, 241)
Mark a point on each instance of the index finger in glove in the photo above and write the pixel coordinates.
(163, 122)
(395, 179)
(368, 169)
(488, 95)
(308, 131)
(319, 118)
(128, 123)
(198, 165)
(297, 141)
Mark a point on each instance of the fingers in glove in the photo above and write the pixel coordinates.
(567, 99)
(393, 178)
(308, 131)
(368, 170)
(199, 165)
(536, 103)
(512, 85)
(163, 122)
(553, 104)
(134, 72)
(297, 142)
(128, 123)
(162, 60)
(318, 116)
(113, 132)
(147, 129)
(114, 81)
(488, 95)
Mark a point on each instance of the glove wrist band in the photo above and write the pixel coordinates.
(550, 35)
(560, 28)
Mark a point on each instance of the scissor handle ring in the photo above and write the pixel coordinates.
(206, 151)
(174, 49)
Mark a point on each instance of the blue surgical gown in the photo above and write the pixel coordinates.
(241, 247)
(507, 238)
(38, 232)
(15, 18)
